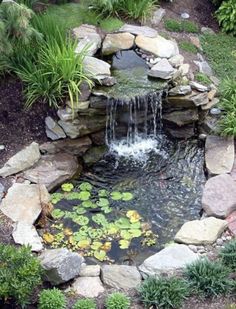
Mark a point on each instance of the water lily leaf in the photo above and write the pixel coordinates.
(106, 246)
(124, 244)
(100, 255)
(136, 225)
(123, 223)
(103, 193)
(103, 202)
(79, 210)
(84, 195)
(126, 235)
(96, 245)
(67, 187)
(79, 236)
(88, 204)
(56, 197)
(106, 210)
(81, 220)
(127, 196)
(48, 238)
(58, 213)
(135, 233)
(67, 232)
(73, 196)
(100, 219)
(95, 233)
(116, 196)
(85, 186)
(112, 229)
(84, 244)
(133, 215)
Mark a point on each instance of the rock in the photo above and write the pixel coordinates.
(108, 81)
(90, 44)
(193, 248)
(84, 31)
(76, 147)
(207, 30)
(219, 196)
(26, 234)
(21, 161)
(180, 90)
(89, 287)
(65, 114)
(115, 42)
(184, 69)
(23, 202)
(79, 106)
(121, 276)
(199, 87)
(201, 232)
(162, 70)
(219, 242)
(85, 92)
(96, 68)
(176, 61)
(200, 99)
(60, 265)
(183, 132)
(231, 219)
(210, 104)
(158, 16)
(157, 46)
(2, 190)
(215, 80)
(98, 138)
(90, 270)
(185, 15)
(219, 154)
(209, 125)
(170, 260)
(204, 67)
(2, 147)
(182, 117)
(53, 130)
(195, 41)
(53, 170)
(211, 94)
(139, 30)
(94, 154)
(232, 173)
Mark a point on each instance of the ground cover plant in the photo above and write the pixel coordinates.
(228, 253)
(51, 299)
(117, 301)
(174, 25)
(188, 47)
(84, 304)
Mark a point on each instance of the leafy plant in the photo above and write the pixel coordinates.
(226, 15)
(20, 273)
(188, 47)
(164, 292)
(84, 304)
(117, 301)
(51, 299)
(208, 278)
(228, 255)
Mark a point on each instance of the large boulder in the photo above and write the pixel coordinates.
(53, 170)
(170, 260)
(157, 46)
(60, 265)
(89, 287)
(219, 196)
(24, 202)
(96, 68)
(90, 270)
(121, 276)
(115, 42)
(219, 154)
(139, 30)
(163, 69)
(201, 232)
(21, 161)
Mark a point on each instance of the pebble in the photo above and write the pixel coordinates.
(219, 242)
(228, 237)
(185, 15)
(224, 238)
(2, 147)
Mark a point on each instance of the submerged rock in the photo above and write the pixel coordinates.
(115, 42)
(139, 30)
(21, 161)
(60, 265)
(162, 70)
(89, 287)
(201, 232)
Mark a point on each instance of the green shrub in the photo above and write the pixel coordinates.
(228, 253)
(231, 306)
(188, 47)
(85, 304)
(117, 301)
(20, 273)
(203, 79)
(226, 15)
(51, 299)
(208, 278)
(164, 292)
(181, 26)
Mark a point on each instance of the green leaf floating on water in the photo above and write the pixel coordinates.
(58, 213)
(116, 196)
(100, 255)
(127, 196)
(73, 196)
(79, 210)
(124, 244)
(103, 202)
(95, 233)
(67, 187)
(56, 197)
(96, 245)
(103, 193)
(123, 223)
(135, 233)
(81, 220)
(85, 186)
(100, 219)
(88, 204)
(84, 195)
(126, 235)
(107, 210)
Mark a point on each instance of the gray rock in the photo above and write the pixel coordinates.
(176, 61)
(115, 42)
(200, 99)
(21, 161)
(94, 154)
(183, 132)
(65, 114)
(180, 90)
(60, 265)
(89, 287)
(23, 202)
(2, 190)
(98, 138)
(182, 117)
(219, 196)
(78, 107)
(158, 16)
(85, 92)
(198, 86)
(84, 31)
(209, 125)
(90, 270)
(204, 67)
(2, 147)
(89, 44)
(162, 70)
(96, 68)
(121, 276)
(53, 170)
(139, 30)
(108, 81)
(184, 69)
(210, 104)
(207, 30)
(170, 260)
(26, 234)
(185, 15)
(53, 130)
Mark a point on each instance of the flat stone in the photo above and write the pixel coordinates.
(210, 104)
(176, 61)
(183, 132)
(98, 138)
(76, 147)
(85, 92)
(53, 170)
(65, 114)
(180, 90)
(204, 67)
(219, 154)
(53, 130)
(26, 234)
(207, 30)
(115, 42)
(21, 161)
(60, 265)
(182, 117)
(90, 44)
(170, 260)
(201, 232)
(162, 70)
(195, 41)
(198, 86)
(211, 94)
(94, 154)
(89, 287)
(219, 196)
(96, 68)
(231, 219)
(200, 99)
(157, 46)
(79, 106)
(139, 30)
(23, 202)
(158, 16)
(84, 31)
(121, 276)
(90, 270)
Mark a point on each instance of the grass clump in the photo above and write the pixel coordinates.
(203, 78)
(164, 292)
(85, 304)
(174, 25)
(117, 301)
(228, 253)
(51, 299)
(188, 47)
(20, 273)
(208, 278)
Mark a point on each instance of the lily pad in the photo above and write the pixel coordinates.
(95, 233)
(84, 195)
(103, 193)
(96, 245)
(84, 244)
(100, 219)
(56, 197)
(124, 244)
(135, 233)
(123, 223)
(127, 196)
(126, 235)
(88, 204)
(73, 196)
(79, 210)
(106, 246)
(48, 238)
(103, 202)
(67, 187)
(116, 196)
(81, 220)
(85, 186)
(58, 213)
(133, 215)
(100, 255)
(106, 210)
